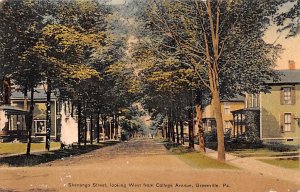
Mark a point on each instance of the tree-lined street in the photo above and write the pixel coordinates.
(122, 90)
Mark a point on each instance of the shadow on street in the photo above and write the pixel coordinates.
(45, 157)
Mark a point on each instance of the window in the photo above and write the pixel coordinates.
(287, 95)
(226, 108)
(287, 122)
(227, 125)
(208, 123)
(254, 100)
(40, 126)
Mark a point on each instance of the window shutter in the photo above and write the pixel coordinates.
(293, 95)
(281, 123)
(293, 123)
(281, 97)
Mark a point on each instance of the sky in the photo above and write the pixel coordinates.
(115, 2)
(291, 47)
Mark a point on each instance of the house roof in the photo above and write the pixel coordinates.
(39, 94)
(288, 77)
(236, 98)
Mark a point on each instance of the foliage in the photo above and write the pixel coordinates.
(290, 20)
(221, 41)
(241, 27)
(252, 126)
(20, 29)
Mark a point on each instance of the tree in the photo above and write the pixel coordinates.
(50, 42)
(65, 47)
(20, 29)
(167, 84)
(290, 20)
(222, 41)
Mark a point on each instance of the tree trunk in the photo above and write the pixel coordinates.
(48, 116)
(168, 129)
(79, 122)
(25, 99)
(72, 109)
(110, 131)
(29, 121)
(116, 127)
(85, 127)
(219, 121)
(113, 127)
(177, 132)
(98, 127)
(6, 90)
(181, 132)
(213, 73)
(103, 128)
(200, 129)
(191, 129)
(91, 129)
(173, 132)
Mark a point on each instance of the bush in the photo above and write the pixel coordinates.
(280, 147)
(211, 136)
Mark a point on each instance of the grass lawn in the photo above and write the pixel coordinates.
(16, 148)
(290, 163)
(201, 161)
(261, 152)
(198, 160)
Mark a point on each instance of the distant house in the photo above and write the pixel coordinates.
(16, 119)
(280, 109)
(273, 116)
(227, 106)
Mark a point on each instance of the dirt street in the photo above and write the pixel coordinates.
(139, 165)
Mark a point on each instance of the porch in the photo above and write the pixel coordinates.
(245, 120)
(8, 132)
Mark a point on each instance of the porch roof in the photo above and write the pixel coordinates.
(242, 111)
(39, 94)
(11, 110)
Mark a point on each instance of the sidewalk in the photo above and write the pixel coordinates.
(255, 166)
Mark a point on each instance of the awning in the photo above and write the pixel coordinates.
(11, 110)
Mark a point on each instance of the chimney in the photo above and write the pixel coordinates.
(292, 65)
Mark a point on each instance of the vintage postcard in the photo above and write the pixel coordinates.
(150, 95)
